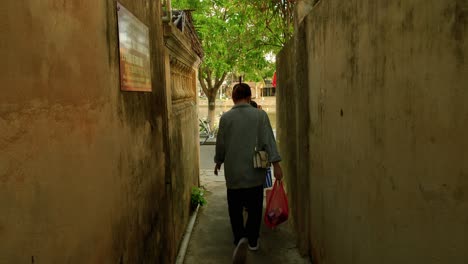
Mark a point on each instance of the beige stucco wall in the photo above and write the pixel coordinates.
(183, 126)
(84, 168)
(386, 151)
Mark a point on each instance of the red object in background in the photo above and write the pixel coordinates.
(277, 210)
(274, 80)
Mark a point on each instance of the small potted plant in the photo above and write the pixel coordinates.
(198, 197)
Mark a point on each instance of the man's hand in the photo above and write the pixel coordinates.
(278, 172)
(217, 167)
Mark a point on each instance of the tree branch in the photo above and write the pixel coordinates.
(209, 79)
(220, 81)
(202, 82)
(267, 26)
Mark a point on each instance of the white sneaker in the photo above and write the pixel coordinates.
(256, 247)
(240, 253)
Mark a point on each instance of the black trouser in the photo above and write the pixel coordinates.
(252, 200)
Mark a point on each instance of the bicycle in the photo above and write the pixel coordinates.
(205, 130)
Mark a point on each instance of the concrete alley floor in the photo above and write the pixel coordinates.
(211, 240)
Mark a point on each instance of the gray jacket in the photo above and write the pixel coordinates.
(235, 145)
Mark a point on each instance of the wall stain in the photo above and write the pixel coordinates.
(433, 194)
(392, 182)
(459, 30)
(112, 34)
(408, 22)
(353, 59)
(459, 193)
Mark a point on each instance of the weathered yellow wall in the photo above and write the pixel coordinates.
(183, 125)
(185, 168)
(83, 166)
(386, 121)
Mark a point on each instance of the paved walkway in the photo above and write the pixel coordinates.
(211, 240)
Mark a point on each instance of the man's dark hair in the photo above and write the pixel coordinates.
(241, 91)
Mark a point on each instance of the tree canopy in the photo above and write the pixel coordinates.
(237, 36)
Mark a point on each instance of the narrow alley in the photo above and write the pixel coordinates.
(105, 106)
(211, 240)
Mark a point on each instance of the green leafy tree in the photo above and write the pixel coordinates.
(236, 37)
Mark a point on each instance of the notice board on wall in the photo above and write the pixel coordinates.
(135, 67)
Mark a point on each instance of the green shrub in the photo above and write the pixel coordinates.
(198, 197)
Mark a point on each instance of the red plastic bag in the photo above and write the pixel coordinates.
(277, 210)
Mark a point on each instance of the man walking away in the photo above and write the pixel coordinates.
(241, 129)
